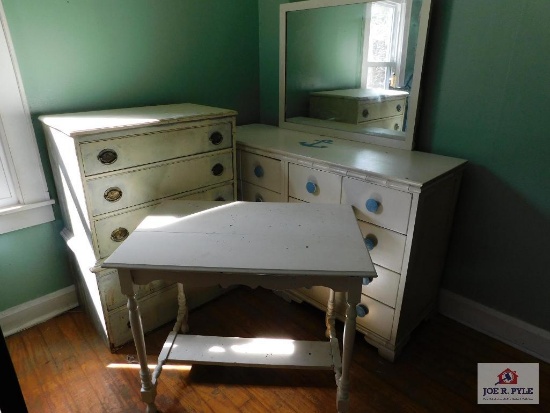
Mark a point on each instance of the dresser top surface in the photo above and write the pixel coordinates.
(247, 237)
(374, 95)
(86, 123)
(408, 167)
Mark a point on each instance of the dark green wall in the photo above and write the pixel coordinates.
(77, 55)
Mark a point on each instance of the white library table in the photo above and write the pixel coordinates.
(272, 245)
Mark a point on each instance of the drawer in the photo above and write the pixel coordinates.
(254, 193)
(261, 171)
(112, 230)
(140, 185)
(387, 246)
(313, 185)
(384, 287)
(377, 110)
(386, 207)
(393, 123)
(109, 289)
(156, 146)
(379, 319)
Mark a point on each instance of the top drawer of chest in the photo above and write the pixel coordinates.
(171, 142)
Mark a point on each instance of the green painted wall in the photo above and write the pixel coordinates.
(77, 55)
(486, 99)
(268, 17)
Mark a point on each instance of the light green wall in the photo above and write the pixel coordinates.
(77, 55)
(486, 99)
(33, 263)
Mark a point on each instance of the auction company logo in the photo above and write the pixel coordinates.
(516, 383)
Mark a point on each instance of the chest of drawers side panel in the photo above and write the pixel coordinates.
(69, 180)
(427, 251)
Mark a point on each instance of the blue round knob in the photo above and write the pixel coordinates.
(370, 243)
(372, 205)
(311, 187)
(362, 310)
(258, 171)
(367, 280)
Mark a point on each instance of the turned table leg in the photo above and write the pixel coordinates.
(342, 400)
(182, 320)
(330, 317)
(148, 389)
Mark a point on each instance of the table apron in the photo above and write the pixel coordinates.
(269, 281)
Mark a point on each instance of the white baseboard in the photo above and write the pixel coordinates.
(516, 333)
(37, 311)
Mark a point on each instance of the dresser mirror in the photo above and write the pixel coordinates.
(352, 68)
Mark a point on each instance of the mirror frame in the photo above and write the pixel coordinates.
(407, 139)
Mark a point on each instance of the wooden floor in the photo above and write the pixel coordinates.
(63, 366)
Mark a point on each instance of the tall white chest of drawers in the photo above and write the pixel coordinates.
(111, 168)
(404, 202)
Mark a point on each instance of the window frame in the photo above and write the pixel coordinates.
(402, 12)
(31, 204)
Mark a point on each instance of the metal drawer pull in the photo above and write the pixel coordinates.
(396, 126)
(220, 198)
(113, 194)
(398, 108)
(259, 198)
(370, 242)
(216, 138)
(365, 113)
(107, 156)
(119, 234)
(217, 169)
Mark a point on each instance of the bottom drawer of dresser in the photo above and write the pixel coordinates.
(156, 309)
(379, 319)
(254, 193)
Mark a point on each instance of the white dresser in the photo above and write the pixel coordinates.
(404, 202)
(111, 168)
(375, 108)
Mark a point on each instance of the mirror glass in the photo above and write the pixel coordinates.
(352, 68)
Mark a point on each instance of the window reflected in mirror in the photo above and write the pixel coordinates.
(353, 67)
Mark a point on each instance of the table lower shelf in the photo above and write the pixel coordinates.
(249, 352)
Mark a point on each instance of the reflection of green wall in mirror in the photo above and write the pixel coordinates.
(412, 41)
(324, 52)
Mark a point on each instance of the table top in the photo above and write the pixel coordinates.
(247, 237)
